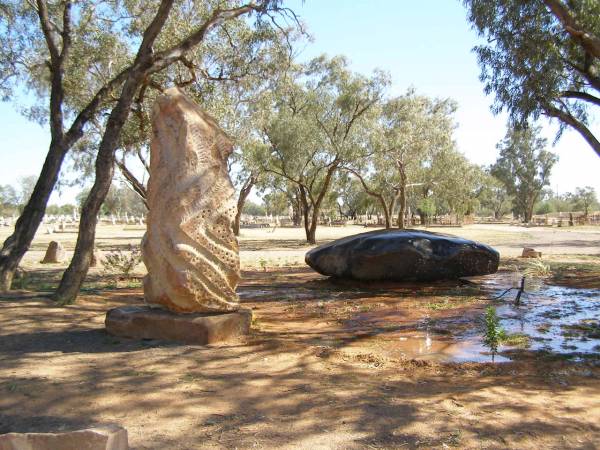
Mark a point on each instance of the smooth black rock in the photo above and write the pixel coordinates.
(403, 255)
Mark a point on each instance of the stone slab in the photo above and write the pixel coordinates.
(110, 437)
(143, 322)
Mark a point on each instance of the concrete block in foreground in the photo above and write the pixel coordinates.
(143, 322)
(110, 437)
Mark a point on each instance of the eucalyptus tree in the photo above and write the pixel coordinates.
(541, 58)
(314, 129)
(89, 60)
(524, 166)
(495, 197)
(167, 39)
(351, 198)
(225, 81)
(460, 184)
(410, 133)
(584, 199)
(73, 58)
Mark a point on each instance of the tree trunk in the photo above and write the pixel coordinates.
(244, 192)
(28, 222)
(402, 197)
(386, 213)
(305, 212)
(73, 277)
(311, 233)
(75, 274)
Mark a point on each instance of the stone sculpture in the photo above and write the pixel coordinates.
(189, 249)
(403, 255)
(54, 254)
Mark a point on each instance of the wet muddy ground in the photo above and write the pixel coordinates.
(441, 321)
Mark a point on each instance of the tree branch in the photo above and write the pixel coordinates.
(568, 119)
(588, 41)
(581, 96)
(170, 55)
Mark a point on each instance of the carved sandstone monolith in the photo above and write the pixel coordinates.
(189, 248)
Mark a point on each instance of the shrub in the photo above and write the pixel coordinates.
(122, 263)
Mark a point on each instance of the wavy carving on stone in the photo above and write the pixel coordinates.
(189, 249)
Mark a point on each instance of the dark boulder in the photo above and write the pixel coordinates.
(403, 255)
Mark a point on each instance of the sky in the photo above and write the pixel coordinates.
(426, 45)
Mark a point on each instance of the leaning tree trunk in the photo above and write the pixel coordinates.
(28, 222)
(244, 193)
(72, 279)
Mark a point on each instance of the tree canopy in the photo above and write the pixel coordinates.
(541, 58)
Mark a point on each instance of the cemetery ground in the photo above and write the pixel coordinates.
(328, 364)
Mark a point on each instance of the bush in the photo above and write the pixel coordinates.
(122, 263)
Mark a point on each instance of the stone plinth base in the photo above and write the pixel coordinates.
(102, 438)
(143, 322)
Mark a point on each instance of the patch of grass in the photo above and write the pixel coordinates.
(520, 340)
(544, 328)
(537, 268)
(590, 330)
(450, 303)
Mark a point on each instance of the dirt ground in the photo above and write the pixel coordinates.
(327, 365)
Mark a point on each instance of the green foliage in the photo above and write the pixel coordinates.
(520, 340)
(523, 166)
(583, 199)
(533, 66)
(427, 206)
(9, 200)
(254, 209)
(276, 203)
(351, 198)
(494, 197)
(119, 200)
(313, 124)
(493, 333)
(120, 263)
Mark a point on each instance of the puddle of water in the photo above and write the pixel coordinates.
(551, 316)
(548, 315)
(432, 347)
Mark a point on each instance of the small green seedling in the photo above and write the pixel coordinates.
(493, 333)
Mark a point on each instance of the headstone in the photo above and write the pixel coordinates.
(54, 254)
(96, 258)
(109, 437)
(189, 248)
(529, 252)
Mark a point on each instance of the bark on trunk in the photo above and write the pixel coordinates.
(244, 192)
(72, 279)
(28, 222)
(305, 210)
(402, 196)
